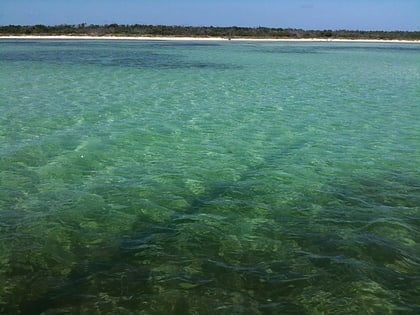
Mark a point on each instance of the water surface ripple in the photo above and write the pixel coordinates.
(153, 177)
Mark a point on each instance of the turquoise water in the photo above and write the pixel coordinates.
(153, 177)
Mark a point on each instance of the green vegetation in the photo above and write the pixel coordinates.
(202, 31)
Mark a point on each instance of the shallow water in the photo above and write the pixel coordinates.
(153, 177)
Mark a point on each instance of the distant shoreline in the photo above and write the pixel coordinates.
(175, 38)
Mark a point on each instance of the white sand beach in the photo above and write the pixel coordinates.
(174, 38)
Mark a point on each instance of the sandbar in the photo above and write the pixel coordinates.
(175, 38)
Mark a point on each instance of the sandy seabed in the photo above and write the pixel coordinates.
(174, 38)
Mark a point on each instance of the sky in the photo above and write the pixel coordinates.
(384, 15)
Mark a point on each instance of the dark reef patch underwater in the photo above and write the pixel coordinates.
(154, 178)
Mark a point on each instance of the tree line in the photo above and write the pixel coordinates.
(202, 31)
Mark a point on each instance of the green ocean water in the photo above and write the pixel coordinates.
(155, 177)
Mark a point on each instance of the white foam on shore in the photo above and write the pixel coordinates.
(173, 38)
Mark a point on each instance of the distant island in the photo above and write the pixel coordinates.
(137, 30)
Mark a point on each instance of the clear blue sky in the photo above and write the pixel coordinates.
(306, 14)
